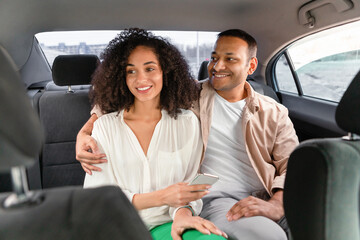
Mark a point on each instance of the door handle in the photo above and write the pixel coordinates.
(306, 19)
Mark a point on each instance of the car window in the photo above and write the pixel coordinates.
(195, 46)
(322, 64)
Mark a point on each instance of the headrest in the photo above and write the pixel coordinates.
(348, 111)
(21, 134)
(203, 71)
(74, 69)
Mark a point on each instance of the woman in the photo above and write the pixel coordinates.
(152, 142)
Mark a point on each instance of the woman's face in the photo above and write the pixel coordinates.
(144, 76)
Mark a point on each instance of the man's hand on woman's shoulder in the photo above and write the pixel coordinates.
(87, 152)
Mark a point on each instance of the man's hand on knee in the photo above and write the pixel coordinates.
(253, 206)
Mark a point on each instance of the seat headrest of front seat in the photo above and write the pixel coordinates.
(348, 111)
(74, 69)
(21, 135)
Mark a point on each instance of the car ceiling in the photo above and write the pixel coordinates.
(273, 23)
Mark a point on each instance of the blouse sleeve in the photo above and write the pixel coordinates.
(96, 110)
(193, 151)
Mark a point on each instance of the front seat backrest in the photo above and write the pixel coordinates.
(21, 138)
(55, 214)
(321, 195)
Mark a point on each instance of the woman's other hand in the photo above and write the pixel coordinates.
(184, 220)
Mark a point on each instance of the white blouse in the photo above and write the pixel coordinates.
(173, 156)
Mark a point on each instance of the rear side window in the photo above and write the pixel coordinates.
(195, 46)
(321, 65)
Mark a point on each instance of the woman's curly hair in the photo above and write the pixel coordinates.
(110, 91)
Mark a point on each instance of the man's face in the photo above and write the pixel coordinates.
(229, 64)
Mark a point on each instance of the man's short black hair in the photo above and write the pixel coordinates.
(252, 45)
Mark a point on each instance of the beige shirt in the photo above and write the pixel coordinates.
(268, 132)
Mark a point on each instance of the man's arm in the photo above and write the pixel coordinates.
(253, 206)
(87, 149)
(285, 143)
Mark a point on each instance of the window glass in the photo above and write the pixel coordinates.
(284, 76)
(195, 46)
(326, 62)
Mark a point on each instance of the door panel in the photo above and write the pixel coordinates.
(312, 118)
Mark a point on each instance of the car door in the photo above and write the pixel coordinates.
(311, 75)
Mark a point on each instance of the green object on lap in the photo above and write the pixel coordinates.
(163, 232)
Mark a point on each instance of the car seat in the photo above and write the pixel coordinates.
(321, 194)
(62, 213)
(63, 111)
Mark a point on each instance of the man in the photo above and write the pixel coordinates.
(247, 137)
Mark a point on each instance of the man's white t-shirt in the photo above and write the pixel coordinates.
(226, 154)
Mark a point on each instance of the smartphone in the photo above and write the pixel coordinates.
(204, 178)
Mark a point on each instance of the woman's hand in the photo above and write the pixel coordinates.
(181, 194)
(184, 220)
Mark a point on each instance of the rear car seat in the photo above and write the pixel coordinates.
(62, 113)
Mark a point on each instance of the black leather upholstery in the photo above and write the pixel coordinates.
(321, 195)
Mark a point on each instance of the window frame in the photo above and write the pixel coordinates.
(270, 72)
